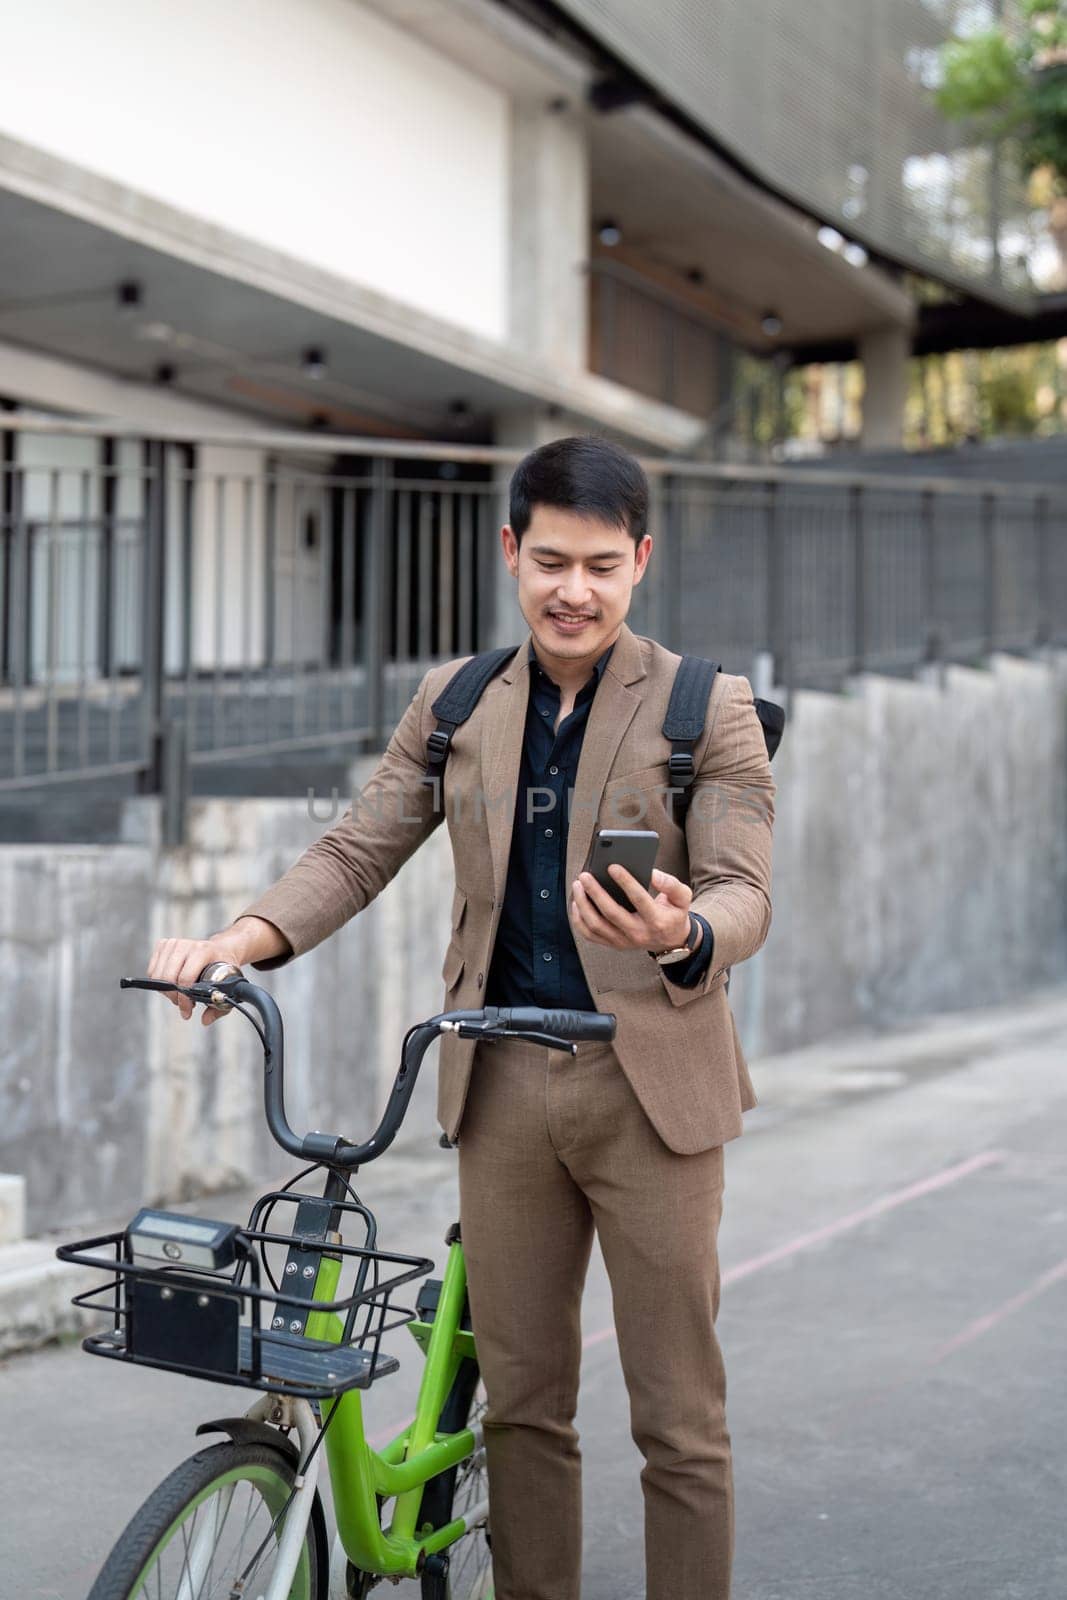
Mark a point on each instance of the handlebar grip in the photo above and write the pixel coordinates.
(578, 1026)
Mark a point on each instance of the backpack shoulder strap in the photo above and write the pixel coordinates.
(455, 704)
(684, 723)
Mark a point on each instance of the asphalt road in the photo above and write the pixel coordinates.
(894, 1321)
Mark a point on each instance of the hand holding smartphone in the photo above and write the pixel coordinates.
(633, 848)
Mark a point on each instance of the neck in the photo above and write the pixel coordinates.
(571, 673)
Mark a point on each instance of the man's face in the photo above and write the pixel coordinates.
(575, 575)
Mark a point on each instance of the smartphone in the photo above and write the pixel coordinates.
(633, 848)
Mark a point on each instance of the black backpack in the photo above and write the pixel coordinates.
(682, 725)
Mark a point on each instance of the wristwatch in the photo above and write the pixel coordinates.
(680, 951)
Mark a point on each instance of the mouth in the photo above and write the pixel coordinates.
(570, 622)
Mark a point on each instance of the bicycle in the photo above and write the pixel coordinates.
(244, 1518)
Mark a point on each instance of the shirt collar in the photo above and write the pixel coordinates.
(598, 669)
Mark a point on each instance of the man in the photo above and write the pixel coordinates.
(624, 1138)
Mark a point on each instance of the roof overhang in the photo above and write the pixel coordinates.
(232, 317)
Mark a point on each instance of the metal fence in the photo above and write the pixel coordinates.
(166, 604)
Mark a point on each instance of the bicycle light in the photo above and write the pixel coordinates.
(179, 1241)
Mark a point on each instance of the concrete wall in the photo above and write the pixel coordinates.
(920, 863)
(920, 852)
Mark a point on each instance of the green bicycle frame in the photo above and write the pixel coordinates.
(359, 1474)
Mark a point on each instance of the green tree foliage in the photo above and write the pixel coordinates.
(1011, 81)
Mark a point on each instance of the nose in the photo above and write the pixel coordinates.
(574, 590)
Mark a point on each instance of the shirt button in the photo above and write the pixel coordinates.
(481, 979)
(544, 894)
(548, 833)
(546, 956)
(553, 770)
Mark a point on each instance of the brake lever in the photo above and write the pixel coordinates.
(489, 1034)
(200, 992)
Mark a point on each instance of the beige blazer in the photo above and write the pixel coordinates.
(678, 1047)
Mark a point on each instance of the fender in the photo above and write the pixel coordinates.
(245, 1430)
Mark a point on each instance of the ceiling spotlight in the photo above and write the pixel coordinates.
(771, 324)
(129, 295)
(313, 362)
(459, 410)
(609, 233)
(165, 373)
(696, 276)
(319, 420)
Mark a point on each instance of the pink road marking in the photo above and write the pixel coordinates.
(804, 1241)
(980, 1325)
(877, 1208)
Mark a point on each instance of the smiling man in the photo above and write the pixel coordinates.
(625, 1139)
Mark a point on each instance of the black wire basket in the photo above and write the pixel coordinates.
(232, 1327)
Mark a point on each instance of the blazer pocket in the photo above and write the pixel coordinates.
(656, 777)
(454, 962)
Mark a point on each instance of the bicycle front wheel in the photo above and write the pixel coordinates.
(209, 1532)
(455, 1493)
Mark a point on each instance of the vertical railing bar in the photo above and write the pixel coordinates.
(465, 559)
(1042, 613)
(402, 588)
(445, 545)
(52, 623)
(20, 615)
(270, 596)
(245, 588)
(193, 505)
(83, 592)
(375, 597)
(425, 620)
(325, 549)
(296, 601)
(218, 727)
(153, 582)
(989, 570)
(777, 610)
(857, 522)
(348, 604)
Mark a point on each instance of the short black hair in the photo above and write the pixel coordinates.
(589, 476)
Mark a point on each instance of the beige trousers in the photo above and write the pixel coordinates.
(551, 1147)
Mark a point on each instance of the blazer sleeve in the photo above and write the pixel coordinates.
(344, 870)
(728, 830)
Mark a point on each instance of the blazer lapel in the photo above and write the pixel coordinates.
(610, 715)
(502, 736)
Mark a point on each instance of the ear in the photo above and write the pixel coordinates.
(510, 545)
(642, 552)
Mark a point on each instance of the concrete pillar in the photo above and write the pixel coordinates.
(549, 234)
(884, 353)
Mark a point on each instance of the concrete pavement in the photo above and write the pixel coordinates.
(895, 1293)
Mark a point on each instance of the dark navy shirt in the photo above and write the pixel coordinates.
(535, 961)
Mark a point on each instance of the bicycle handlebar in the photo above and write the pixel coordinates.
(556, 1030)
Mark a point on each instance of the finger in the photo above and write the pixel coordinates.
(593, 925)
(609, 908)
(677, 892)
(162, 965)
(639, 897)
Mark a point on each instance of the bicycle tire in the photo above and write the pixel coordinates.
(470, 1568)
(163, 1540)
